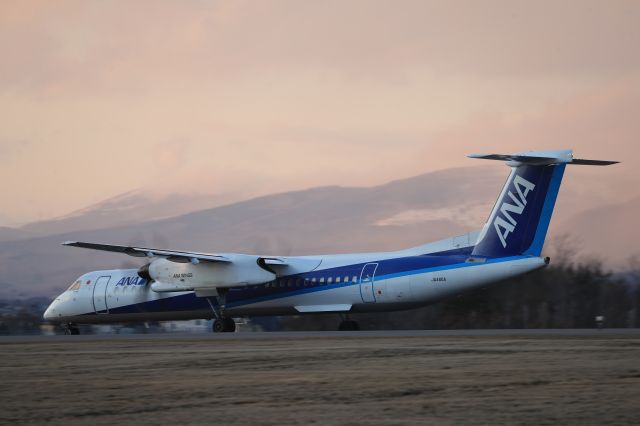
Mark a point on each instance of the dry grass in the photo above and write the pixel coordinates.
(533, 380)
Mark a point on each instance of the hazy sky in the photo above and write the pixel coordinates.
(251, 97)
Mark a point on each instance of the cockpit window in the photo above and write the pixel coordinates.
(75, 286)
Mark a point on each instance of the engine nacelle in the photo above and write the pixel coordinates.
(242, 270)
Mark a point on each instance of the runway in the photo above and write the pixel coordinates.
(466, 377)
(325, 334)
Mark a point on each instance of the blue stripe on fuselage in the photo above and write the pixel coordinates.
(387, 267)
(237, 297)
(254, 294)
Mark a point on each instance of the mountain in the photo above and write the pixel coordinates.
(12, 234)
(608, 232)
(319, 220)
(125, 209)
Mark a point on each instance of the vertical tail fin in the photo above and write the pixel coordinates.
(520, 219)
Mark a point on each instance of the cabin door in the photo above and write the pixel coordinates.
(366, 282)
(100, 295)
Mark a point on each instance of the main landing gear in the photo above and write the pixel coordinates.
(347, 324)
(224, 325)
(71, 329)
(221, 324)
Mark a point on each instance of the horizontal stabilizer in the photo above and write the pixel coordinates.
(541, 158)
(580, 161)
(529, 159)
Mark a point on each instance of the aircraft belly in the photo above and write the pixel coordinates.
(136, 316)
(330, 296)
(394, 294)
(385, 307)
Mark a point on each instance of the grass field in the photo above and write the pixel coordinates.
(324, 379)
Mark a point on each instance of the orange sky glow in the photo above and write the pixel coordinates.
(245, 97)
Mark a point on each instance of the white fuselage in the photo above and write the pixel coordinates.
(336, 283)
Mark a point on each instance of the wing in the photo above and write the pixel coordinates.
(172, 255)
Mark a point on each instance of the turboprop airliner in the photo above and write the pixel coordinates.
(182, 285)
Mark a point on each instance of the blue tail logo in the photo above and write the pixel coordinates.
(521, 216)
(505, 227)
(519, 221)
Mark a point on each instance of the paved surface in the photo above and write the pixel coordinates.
(533, 377)
(325, 334)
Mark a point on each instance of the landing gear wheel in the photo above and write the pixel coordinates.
(218, 326)
(348, 325)
(229, 325)
(71, 330)
(224, 325)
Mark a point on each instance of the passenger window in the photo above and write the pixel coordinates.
(337, 280)
(329, 280)
(313, 281)
(306, 282)
(355, 279)
(346, 279)
(322, 281)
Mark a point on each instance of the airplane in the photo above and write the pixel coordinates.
(184, 285)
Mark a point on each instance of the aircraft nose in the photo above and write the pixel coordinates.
(50, 313)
